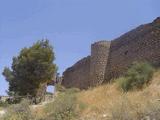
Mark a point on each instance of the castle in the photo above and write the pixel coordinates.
(111, 59)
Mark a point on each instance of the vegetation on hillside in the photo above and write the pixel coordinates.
(64, 107)
(106, 102)
(31, 70)
(20, 111)
(137, 76)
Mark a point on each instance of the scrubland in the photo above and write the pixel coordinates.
(105, 102)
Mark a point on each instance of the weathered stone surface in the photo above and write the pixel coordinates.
(140, 44)
(110, 59)
(99, 58)
(78, 74)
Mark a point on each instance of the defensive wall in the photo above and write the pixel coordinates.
(78, 75)
(140, 44)
(111, 59)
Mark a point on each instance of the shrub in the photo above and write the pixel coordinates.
(59, 87)
(19, 112)
(3, 104)
(64, 107)
(136, 77)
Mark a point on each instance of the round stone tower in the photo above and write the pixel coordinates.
(99, 57)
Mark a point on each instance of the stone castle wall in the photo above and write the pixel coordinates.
(140, 44)
(111, 59)
(89, 71)
(99, 57)
(78, 74)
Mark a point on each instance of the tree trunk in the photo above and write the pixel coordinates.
(40, 95)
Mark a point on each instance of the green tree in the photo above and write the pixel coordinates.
(31, 70)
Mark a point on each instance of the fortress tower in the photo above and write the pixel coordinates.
(99, 58)
(111, 59)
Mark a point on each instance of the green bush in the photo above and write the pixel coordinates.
(136, 77)
(64, 107)
(3, 104)
(19, 112)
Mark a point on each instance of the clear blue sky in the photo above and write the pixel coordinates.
(70, 25)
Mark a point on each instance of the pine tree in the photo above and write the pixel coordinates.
(31, 70)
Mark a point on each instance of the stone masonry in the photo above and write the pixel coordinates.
(78, 75)
(99, 59)
(111, 59)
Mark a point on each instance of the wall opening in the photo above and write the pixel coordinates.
(50, 89)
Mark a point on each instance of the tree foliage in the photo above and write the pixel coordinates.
(31, 69)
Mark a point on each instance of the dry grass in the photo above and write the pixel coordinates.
(108, 102)
(38, 112)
